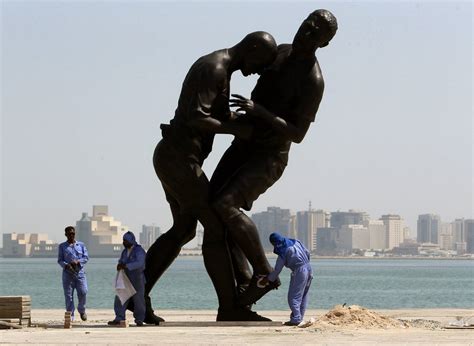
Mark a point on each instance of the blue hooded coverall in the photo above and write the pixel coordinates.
(74, 280)
(293, 255)
(135, 261)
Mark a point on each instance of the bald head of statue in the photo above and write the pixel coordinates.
(256, 51)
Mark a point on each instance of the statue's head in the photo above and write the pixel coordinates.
(316, 31)
(259, 49)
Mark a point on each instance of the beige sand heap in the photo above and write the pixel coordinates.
(355, 316)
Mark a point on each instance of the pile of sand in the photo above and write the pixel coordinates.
(355, 316)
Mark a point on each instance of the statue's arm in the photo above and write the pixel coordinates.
(305, 111)
(203, 117)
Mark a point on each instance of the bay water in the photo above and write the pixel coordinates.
(372, 283)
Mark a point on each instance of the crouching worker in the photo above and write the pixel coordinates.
(132, 261)
(292, 254)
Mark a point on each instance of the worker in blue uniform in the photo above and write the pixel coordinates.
(132, 260)
(72, 257)
(293, 255)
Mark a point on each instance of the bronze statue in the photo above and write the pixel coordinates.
(283, 105)
(203, 110)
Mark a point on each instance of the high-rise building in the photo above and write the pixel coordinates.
(446, 239)
(327, 241)
(273, 220)
(353, 237)
(101, 233)
(148, 235)
(428, 228)
(406, 233)
(469, 229)
(377, 234)
(394, 226)
(351, 217)
(458, 231)
(199, 236)
(292, 231)
(307, 224)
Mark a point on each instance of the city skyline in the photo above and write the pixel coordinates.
(157, 228)
(85, 86)
(326, 233)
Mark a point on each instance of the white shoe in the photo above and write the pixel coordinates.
(306, 324)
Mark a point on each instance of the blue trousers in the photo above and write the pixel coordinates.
(138, 302)
(73, 282)
(298, 292)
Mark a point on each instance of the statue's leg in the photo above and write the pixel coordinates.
(244, 233)
(234, 157)
(242, 271)
(242, 230)
(217, 260)
(165, 250)
(175, 173)
(167, 247)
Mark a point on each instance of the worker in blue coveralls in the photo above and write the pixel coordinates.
(292, 254)
(132, 260)
(72, 257)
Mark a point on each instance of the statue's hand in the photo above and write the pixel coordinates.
(242, 104)
(246, 105)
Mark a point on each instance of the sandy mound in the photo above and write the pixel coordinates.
(355, 316)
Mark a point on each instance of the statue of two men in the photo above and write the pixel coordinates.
(282, 106)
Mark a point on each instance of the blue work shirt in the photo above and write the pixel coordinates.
(296, 256)
(68, 253)
(135, 264)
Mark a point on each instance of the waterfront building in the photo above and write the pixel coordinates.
(351, 217)
(101, 233)
(458, 231)
(292, 231)
(274, 219)
(199, 236)
(307, 224)
(327, 241)
(377, 234)
(406, 233)
(353, 237)
(469, 229)
(428, 228)
(446, 238)
(28, 245)
(394, 227)
(148, 235)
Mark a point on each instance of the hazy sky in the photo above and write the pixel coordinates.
(86, 84)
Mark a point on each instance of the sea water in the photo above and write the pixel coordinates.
(373, 283)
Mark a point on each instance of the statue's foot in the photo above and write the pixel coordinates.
(239, 314)
(254, 292)
(151, 318)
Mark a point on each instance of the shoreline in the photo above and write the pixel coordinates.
(192, 330)
(313, 257)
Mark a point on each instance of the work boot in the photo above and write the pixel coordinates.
(290, 323)
(239, 314)
(114, 323)
(254, 292)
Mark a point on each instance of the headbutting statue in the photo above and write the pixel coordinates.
(281, 108)
(203, 110)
